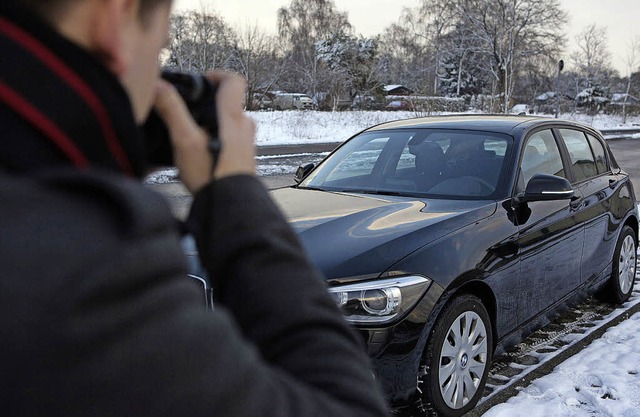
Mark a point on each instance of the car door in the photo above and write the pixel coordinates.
(592, 176)
(550, 236)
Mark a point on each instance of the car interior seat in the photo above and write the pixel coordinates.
(429, 162)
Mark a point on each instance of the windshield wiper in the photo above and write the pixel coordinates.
(312, 188)
(374, 192)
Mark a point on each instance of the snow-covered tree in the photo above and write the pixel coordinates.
(490, 39)
(509, 32)
(353, 62)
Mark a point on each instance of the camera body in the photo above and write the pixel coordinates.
(198, 93)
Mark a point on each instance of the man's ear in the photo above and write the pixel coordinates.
(112, 23)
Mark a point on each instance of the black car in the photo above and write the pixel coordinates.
(446, 240)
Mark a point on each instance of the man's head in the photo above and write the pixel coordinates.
(125, 35)
(46, 7)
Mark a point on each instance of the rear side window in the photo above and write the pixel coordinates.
(582, 161)
(598, 152)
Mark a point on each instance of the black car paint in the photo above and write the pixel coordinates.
(477, 246)
(370, 233)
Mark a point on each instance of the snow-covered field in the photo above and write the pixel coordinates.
(300, 127)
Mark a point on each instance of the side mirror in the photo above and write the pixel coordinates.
(303, 171)
(546, 187)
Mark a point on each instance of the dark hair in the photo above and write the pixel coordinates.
(47, 8)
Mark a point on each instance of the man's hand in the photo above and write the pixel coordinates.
(236, 133)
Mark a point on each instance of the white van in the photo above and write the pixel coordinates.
(292, 101)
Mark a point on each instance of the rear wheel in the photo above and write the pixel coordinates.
(457, 357)
(623, 274)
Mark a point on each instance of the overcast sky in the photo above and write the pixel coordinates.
(370, 17)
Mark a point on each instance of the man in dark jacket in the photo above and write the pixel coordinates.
(98, 318)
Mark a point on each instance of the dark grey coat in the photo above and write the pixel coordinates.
(98, 316)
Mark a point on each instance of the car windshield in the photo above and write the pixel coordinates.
(445, 164)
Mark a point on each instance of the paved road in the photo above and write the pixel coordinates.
(627, 153)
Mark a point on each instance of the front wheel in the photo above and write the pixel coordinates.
(623, 274)
(457, 357)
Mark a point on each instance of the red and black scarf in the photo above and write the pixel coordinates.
(58, 104)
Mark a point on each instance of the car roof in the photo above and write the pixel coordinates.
(508, 124)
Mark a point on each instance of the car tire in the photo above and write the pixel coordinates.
(623, 274)
(457, 358)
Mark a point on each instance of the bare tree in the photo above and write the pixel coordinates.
(464, 62)
(592, 65)
(199, 41)
(633, 62)
(437, 19)
(405, 53)
(511, 31)
(592, 57)
(466, 40)
(300, 26)
(256, 57)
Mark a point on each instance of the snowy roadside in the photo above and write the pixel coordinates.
(601, 380)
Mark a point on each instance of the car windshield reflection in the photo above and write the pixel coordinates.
(446, 164)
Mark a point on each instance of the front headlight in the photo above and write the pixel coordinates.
(379, 301)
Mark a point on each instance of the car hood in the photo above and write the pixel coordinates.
(350, 235)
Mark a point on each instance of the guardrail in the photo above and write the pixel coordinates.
(619, 133)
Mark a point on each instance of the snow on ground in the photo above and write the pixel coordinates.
(601, 380)
(302, 127)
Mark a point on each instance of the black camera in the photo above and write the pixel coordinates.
(199, 94)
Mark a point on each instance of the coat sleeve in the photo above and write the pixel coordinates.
(102, 321)
(308, 361)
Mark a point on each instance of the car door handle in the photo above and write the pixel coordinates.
(613, 183)
(577, 204)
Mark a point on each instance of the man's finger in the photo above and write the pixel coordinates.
(173, 110)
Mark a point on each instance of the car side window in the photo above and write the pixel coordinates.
(598, 152)
(541, 155)
(582, 160)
